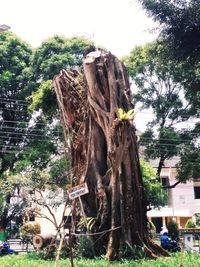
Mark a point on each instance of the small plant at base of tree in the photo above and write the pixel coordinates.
(83, 248)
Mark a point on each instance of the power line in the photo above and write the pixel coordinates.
(24, 147)
(185, 145)
(22, 138)
(11, 146)
(26, 102)
(13, 99)
(27, 152)
(14, 152)
(38, 123)
(165, 139)
(153, 114)
(162, 149)
(179, 142)
(13, 103)
(31, 129)
(26, 134)
(9, 109)
(7, 121)
(139, 112)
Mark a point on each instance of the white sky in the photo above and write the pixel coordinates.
(117, 25)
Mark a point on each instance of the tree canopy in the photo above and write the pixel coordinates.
(53, 55)
(180, 30)
(15, 58)
(160, 92)
(156, 197)
(180, 21)
(27, 140)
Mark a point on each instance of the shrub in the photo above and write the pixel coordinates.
(84, 248)
(190, 224)
(49, 252)
(28, 230)
(197, 219)
(173, 230)
(128, 252)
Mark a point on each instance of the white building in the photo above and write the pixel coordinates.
(183, 200)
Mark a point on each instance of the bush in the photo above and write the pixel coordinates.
(28, 230)
(173, 230)
(49, 252)
(190, 224)
(84, 248)
(128, 252)
(197, 219)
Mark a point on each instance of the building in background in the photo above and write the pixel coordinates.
(183, 200)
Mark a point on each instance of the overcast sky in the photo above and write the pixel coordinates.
(118, 25)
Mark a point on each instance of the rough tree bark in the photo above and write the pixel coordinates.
(104, 151)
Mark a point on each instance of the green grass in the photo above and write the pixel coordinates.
(32, 260)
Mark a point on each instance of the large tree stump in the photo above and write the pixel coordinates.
(104, 152)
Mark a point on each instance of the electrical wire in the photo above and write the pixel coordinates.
(26, 134)
(23, 138)
(181, 142)
(7, 121)
(13, 103)
(7, 100)
(26, 102)
(13, 99)
(14, 152)
(16, 146)
(138, 116)
(152, 114)
(15, 110)
(165, 139)
(37, 123)
(29, 145)
(169, 145)
(31, 129)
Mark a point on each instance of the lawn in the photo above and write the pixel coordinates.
(32, 260)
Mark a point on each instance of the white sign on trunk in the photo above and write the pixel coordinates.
(78, 191)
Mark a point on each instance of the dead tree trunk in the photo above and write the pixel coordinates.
(104, 151)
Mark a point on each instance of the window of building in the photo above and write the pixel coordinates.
(197, 192)
(31, 217)
(165, 181)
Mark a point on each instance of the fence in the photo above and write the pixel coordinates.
(19, 246)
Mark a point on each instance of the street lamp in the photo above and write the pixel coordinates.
(4, 27)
